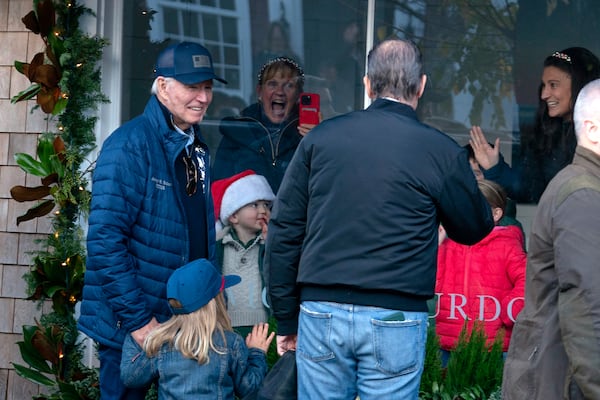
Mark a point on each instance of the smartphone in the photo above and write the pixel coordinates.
(310, 105)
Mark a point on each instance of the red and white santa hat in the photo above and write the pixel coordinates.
(231, 194)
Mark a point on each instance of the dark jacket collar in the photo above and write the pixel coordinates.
(393, 106)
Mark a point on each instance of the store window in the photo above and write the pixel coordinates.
(483, 58)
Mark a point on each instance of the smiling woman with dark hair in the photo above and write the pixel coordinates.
(550, 145)
(265, 135)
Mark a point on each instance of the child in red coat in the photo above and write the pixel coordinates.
(485, 281)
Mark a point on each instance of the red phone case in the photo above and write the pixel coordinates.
(310, 105)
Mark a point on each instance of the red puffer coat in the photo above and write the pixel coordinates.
(485, 282)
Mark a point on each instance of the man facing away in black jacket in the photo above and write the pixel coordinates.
(352, 243)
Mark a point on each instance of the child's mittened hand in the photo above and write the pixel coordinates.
(260, 337)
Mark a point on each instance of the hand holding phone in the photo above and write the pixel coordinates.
(309, 109)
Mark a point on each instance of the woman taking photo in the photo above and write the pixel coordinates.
(265, 135)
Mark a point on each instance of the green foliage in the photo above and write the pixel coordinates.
(53, 162)
(432, 367)
(474, 370)
(473, 363)
(66, 80)
(53, 357)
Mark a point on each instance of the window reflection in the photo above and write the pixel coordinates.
(483, 58)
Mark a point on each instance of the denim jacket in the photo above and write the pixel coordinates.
(239, 371)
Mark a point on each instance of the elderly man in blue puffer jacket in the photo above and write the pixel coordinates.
(151, 211)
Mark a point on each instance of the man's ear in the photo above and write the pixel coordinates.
(422, 88)
(161, 87)
(367, 83)
(592, 131)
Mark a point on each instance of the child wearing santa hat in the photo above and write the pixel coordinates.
(243, 207)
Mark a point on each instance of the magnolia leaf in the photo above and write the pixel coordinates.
(31, 165)
(47, 98)
(37, 294)
(59, 147)
(29, 331)
(60, 105)
(36, 62)
(33, 375)
(32, 357)
(23, 193)
(37, 211)
(19, 66)
(57, 45)
(47, 75)
(31, 22)
(45, 152)
(52, 290)
(46, 17)
(27, 94)
(50, 179)
(45, 347)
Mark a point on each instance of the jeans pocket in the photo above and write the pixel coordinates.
(398, 345)
(314, 343)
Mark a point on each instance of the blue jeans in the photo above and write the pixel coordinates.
(346, 350)
(111, 386)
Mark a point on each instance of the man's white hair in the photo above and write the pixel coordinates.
(587, 106)
(154, 88)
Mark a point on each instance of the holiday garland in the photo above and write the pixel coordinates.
(66, 83)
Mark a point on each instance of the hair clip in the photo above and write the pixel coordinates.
(285, 60)
(562, 56)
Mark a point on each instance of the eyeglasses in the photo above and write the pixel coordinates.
(195, 170)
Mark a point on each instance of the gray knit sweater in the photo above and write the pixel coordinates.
(244, 300)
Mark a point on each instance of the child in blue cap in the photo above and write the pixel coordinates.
(196, 354)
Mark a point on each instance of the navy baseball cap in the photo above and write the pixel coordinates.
(195, 284)
(187, 62)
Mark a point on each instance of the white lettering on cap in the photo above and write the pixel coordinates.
(201, 61)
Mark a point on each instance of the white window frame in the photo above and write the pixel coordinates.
(243, 26)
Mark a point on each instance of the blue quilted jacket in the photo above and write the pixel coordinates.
(137, 228)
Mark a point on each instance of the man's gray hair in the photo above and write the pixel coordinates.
(154, 88)
(587, 105)
(395, 68)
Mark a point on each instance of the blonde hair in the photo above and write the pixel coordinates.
(285, 66)
(494, 193)
(191, 334)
